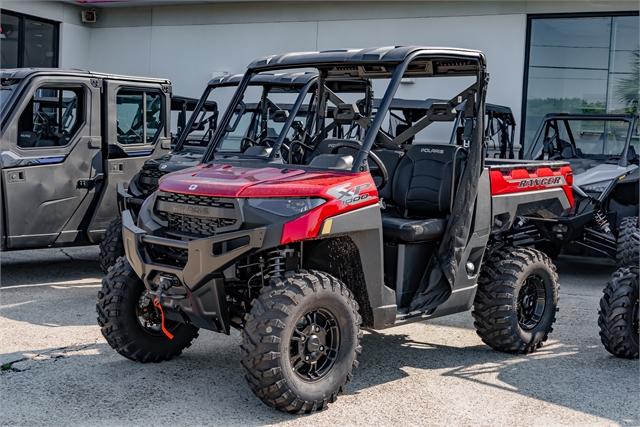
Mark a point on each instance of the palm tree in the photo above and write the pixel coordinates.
(628, 88)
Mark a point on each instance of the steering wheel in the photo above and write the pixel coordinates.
(382, 170)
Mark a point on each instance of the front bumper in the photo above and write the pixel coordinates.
(201, 295)
(206, 257)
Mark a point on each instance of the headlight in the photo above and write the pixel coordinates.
(286, 207)
(596, 187)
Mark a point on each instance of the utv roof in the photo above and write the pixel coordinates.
(499, 109)
(22, 73)
(391, 55)
(298, 79)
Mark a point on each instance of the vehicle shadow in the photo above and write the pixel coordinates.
(542, 375)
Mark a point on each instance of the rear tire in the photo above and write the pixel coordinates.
(618, 315)
(112, 245)
(627, 248)
(300, 341)
(517, 300)
(121, 310)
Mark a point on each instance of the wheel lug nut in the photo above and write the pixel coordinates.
(306, 358)
(321, 348)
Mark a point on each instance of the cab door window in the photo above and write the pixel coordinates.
(139, 116)
(51, 118)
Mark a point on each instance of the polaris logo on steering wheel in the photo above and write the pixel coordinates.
(552, 181)
(350, 195)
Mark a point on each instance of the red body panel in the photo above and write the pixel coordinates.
(519, 180)
(354, 191)
(343, 191)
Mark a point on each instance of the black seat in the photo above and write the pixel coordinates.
(423, 189)
(27, 139)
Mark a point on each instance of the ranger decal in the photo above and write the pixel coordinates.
(550, 181)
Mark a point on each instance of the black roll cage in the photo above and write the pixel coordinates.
(451, 61)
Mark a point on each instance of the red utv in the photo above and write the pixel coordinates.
(365, 229)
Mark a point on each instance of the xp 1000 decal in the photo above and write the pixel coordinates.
(351, 194)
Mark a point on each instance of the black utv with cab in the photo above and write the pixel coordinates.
(299, 253)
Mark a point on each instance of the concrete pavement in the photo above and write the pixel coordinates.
(60, 371)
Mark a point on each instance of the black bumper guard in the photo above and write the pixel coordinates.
(202, 275)
(204, 260)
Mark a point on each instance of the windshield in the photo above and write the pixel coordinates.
(583, 138)
(259, 123)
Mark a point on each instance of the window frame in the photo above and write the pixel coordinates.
(527, 54)
(22, 36)
(80, 124)
(163, 105)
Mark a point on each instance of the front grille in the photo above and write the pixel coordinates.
(149, 180)
(195, 227)
(196, 216)
(191, 199)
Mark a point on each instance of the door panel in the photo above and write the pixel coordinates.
(50, 153)
(137, 128)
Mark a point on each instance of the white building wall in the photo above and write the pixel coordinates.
(75, 46)
(187, 43)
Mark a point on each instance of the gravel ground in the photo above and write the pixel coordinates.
(436, 373)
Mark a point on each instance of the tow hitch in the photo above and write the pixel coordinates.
(163, 282)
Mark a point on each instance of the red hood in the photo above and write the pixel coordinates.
(235, 181)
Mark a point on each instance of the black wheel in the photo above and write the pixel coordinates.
(618, 315)
(627, 253)
(517, 300)
(300, 341)
(112, 245)
(551, 249)
(130, 323)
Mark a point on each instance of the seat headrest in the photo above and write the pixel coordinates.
(427, 178)
(258, 150)
(325, 146)
(26, 138)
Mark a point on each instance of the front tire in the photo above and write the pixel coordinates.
(129, 323)
(300, 341)
(627, 254)
(112, 245)
(618, 315)
(517, 300)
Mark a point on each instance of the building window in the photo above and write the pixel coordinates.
(580, 64)
(27, 41)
